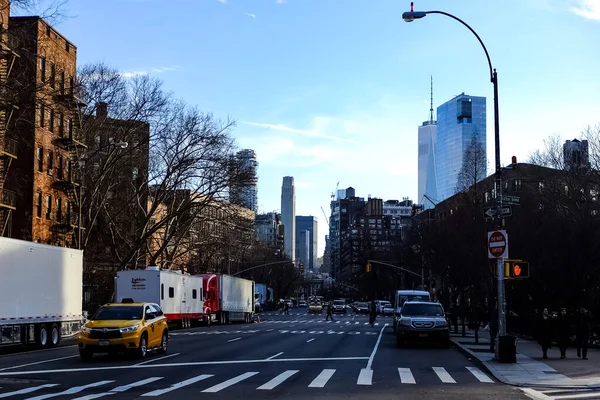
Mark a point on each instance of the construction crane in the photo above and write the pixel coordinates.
(334, 192)
(325, 215)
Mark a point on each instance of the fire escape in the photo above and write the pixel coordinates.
(8, 146)
(67, 179)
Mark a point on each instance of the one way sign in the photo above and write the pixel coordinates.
(491, 212)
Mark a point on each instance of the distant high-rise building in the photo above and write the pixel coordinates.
(267, 229)
(460, 121)
(427, 143)
(307, 224)
(246, 195)
(576, 154)
(288, 216)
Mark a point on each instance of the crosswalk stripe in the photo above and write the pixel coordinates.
(480, 375)
(406, 376)
(229, 382)
(278, 379)
(443, 375)
(176, 386)
(376, 323)
(322, 379)
(365, 377)
(28, 390)
(72, 390)
(356, 323)
(119, 389)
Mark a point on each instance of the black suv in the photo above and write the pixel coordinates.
(422, 321)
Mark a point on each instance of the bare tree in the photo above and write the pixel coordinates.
(474, 166)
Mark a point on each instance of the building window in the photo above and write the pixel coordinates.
(61, 125)
(48, 31)
(67, 47)
(51, 122)
(517, 184)
(59, 166)
(40, 159)
(49, 207)
(42, 115)
(43, 69)
(38, 205)
(62, 82)
(70, 128)
(58, 209)
(50, 161)
(71, 85)
(52, 75)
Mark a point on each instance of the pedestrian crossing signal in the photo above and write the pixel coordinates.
(516, 269)
(368, 267)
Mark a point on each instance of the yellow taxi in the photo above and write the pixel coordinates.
(126, 326)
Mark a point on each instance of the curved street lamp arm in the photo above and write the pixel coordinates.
(262, 265)
(394, 266)
(474, 33)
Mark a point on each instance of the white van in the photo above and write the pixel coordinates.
(403, 296)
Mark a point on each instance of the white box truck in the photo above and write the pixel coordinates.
(228, 298)
(179, 295)
(40, 293)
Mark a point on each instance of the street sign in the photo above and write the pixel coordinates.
(492, 212)
(497, 244)
(511, 199)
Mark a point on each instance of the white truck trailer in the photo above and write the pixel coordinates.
(228, 298)
(40, 293)
(179, 295)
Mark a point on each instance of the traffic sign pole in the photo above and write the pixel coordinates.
(501, 302)
(498, 249)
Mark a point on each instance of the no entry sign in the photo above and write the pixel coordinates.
(497, 244)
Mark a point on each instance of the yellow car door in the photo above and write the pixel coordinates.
(149, 321)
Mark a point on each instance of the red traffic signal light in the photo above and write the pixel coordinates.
(517, 269)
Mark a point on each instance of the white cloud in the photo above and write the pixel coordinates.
(308, 132)
(589, 9)
(251, 15)
(148, 71)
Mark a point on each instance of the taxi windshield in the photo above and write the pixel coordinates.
(120, 313)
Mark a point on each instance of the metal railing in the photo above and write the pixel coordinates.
(8, 198)
(10, 146)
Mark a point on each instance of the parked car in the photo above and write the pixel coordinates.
(315, 308)
(361, 308)
(422, 321)
(302, 304)
(381, 305)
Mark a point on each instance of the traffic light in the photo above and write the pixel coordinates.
(368, 267)
(516, 269)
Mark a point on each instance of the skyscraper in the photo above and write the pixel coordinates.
(427, 142)
(460, 121)
(576, 154)
(288, 216)
(307, 224)
(246, 195)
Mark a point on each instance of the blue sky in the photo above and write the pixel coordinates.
(333, 90)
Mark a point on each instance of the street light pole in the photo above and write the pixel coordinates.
(410, 17)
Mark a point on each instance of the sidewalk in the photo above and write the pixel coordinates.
(530, 369)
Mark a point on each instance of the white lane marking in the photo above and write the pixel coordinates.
(234, 340)
(337, 322)
(480, 375)
(322, 379)
(229, 382)
(28, 390)
(356, 323)
(535, 395)
(347, 322)
(119, 389)
(366, 323)
(276, 355)
(443, 375)
(310, 340)
(160, 358)
(376, 323)
(180, 364)
(270, 330)
(35, 363)
(406, 376)
(175, 386)
(365, 377)
(278, 380)
(72, 390)
(375, 348)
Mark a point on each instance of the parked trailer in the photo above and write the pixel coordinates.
(228, 298)
(179, 295)
(40, 293)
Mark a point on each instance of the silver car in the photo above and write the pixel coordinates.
(421, 321)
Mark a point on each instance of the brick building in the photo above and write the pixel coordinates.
(43, 117)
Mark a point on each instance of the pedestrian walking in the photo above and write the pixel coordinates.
(544, 334)
(329, 311)
(372, 313)
(582, 332)
(563, 331)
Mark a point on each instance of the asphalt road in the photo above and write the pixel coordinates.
(295, 356)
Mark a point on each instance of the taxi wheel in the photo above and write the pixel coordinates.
(164, 342)
(142, 350)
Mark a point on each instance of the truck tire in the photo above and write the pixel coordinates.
(42, 336)
(54, 335)
(208, 319)
(164, 342)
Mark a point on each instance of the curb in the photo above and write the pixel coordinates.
(464, 349)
